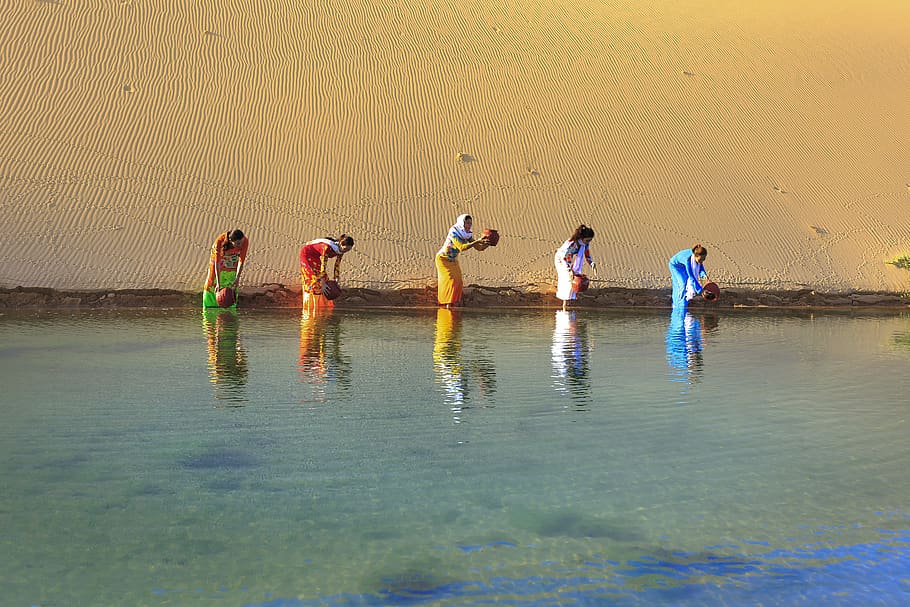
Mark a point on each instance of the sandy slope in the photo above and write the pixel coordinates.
(775, 133)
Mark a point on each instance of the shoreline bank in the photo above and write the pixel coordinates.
(475, 296)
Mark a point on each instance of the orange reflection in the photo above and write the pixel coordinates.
(315, 302)
(322, 360)
(227, 360)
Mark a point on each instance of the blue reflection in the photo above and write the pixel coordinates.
(874, 573)
(684, 346)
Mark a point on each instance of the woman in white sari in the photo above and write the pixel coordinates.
(570, 261)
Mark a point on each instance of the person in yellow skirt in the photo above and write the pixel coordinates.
(448, 271)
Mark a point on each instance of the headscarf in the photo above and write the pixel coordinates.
(460, 230)
(332, 243)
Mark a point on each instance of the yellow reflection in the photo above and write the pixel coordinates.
(457, 374)
(227, 360)
(447, 364)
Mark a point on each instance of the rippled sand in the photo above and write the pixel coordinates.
(774, 133)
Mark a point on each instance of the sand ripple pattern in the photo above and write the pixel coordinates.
(132, 132)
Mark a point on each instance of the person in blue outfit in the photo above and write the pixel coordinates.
(687, 270)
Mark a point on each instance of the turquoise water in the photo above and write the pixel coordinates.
(467, 458)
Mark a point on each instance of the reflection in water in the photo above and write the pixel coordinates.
(316, 304)
(684, 345)
(570, 352)
(447, 358)
(322, 359)
(227, 359)
(788, 482)
(901, 340)
(453, 373)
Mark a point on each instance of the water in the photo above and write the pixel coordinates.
(410, 458)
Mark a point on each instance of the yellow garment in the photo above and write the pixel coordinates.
(449, 279)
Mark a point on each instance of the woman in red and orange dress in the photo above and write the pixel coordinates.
(314, 257)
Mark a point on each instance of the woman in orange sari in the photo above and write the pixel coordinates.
(225, 266)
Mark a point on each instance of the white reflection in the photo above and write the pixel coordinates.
(570, 352)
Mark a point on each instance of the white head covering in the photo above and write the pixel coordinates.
(459, 228)
(333, 244)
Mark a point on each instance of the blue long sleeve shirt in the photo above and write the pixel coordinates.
(685, 262)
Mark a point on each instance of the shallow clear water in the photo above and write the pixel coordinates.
(468, 458)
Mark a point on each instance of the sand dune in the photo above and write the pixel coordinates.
(775, 133)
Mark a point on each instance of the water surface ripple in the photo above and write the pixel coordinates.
(454, 458)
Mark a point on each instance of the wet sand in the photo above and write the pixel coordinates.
(528, 296)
